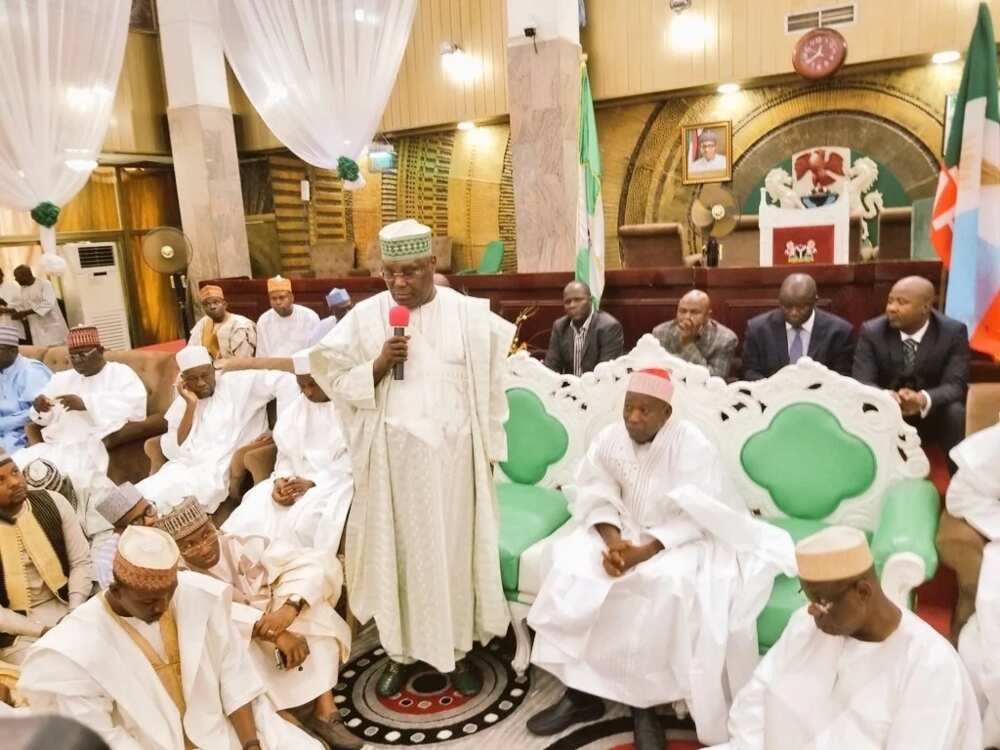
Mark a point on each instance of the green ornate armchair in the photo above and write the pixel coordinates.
(805, 448)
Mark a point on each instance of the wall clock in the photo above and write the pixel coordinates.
(819, 54)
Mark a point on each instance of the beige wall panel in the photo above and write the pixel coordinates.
(138, 116)
(474, 192)
(632, 54)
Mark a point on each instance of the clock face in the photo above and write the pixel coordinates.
(819, 54)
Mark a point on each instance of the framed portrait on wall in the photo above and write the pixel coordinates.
(708, 149)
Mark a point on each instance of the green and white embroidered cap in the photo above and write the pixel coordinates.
(405, 240)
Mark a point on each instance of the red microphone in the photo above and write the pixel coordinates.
(399, 318)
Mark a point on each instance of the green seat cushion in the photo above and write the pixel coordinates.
(535, 439)
(786, 597)
(528, 514)
(808, 462)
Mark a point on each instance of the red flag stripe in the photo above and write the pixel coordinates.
(943, 214)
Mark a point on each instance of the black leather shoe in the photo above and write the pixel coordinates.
(649, 732)
(390, 681)
(466, 679)
(573, 708)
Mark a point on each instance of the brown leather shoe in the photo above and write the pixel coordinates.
(334, 733)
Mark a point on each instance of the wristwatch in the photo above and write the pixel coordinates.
(296, 601)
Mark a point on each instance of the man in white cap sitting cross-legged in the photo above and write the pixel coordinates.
(306, 498)
(653, 598)
(156, 662)
(853, 671)
(213, 415)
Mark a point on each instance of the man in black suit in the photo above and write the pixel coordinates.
(583, 336)
(796, 329)
(922, 358)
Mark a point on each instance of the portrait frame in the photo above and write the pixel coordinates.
(691, 173)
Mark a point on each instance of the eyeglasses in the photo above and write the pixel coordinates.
(407, 274)
(81, 353)
(148, 513)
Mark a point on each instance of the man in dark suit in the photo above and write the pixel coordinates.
(583, 336)
(922, 358)
(796, 329)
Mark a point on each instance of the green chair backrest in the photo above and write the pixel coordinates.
(807, 461)
(535, 439)
(492, 258)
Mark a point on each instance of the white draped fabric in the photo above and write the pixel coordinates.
(318, 71)
(60, 62)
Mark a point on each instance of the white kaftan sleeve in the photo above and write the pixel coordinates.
(46, 301)
(239, 681)
(676, 532)
(310, 574)
(501, 335)
(168, 442)
(79, 697)
(195, 338)
(110, 410)
(340, 369)
(594, 496)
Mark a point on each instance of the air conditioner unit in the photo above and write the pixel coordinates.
(94, 292)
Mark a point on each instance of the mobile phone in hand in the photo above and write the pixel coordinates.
(279, 659)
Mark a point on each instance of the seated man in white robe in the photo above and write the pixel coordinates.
(44, 562)
(122, 507)
(306, 499)
(974, 495)
(156, 662)
(654, 597)
(852, 670)
(76, 411)
(283, 605)
(213, 415)
(224, 334)
(286, 328)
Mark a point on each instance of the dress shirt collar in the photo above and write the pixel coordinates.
(919, 335)
(807, 326)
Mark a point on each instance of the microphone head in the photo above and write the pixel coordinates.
(399, 316)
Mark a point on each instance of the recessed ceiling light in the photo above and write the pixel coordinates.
(466, 125)
(728, 88)
(943, 58)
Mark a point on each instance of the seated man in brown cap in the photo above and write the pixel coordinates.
(286, 328)
(223, 333)
(156, 662)
(78, 409)
(624, 613)
(44, 562)
(853, 670)
(122, 506)
(282, 597)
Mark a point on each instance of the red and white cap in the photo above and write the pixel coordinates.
(653, 382)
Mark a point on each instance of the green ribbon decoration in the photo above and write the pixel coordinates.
(347, 169)
(45, 213)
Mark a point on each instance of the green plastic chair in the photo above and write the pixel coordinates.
(491, 262)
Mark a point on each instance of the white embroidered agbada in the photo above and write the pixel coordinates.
(263, 575)
(814, 691)
(47, 324)
(974, 495)
(422, 535)
(237, 335)
(311, 446)
(90, 670)
(282, 337)
(682, 625)
(73, 440)
(234, 415)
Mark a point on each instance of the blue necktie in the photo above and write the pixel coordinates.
(795, 350)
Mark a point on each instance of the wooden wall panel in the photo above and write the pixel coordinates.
(746, 39)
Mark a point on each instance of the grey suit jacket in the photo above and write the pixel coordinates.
(605, 341)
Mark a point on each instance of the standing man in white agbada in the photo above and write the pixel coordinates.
(852, 670)
(306, 498)
(283, 598)
(78, 409)
(654, 597)
(157, 662)
(286, 328)
(37, 304)
(422, 549)
(974, 495)
(224, 334)
(213, 415)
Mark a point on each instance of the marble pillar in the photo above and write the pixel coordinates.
(543, 94)
(203, 140)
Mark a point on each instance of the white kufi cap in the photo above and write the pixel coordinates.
(193, 356)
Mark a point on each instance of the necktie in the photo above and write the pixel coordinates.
(795, 349)
(909, 354)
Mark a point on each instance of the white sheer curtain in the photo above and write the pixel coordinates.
(59, 67)
(319, 72)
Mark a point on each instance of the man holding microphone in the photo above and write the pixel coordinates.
(417, 376)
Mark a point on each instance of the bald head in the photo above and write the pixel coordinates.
(693, 312)
(909, 303)
(576, 301)
(797, 298)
